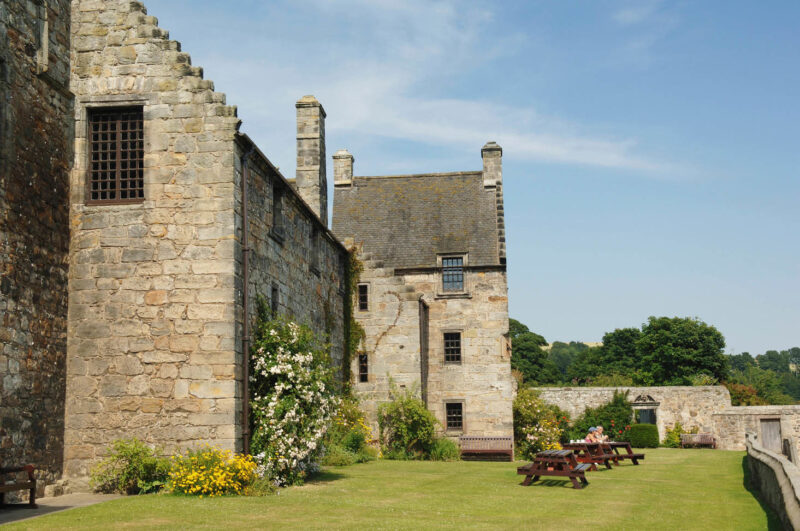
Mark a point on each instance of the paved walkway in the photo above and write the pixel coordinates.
(17, 512)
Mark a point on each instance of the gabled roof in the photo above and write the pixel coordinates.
(406, 220)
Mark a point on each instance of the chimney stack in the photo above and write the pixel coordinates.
(343, 168)
(492, 156)
(311, 180)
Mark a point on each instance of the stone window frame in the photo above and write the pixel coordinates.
(84, 105)
(463, 428)
(274, 298)
(358, 296)
(464, 293)
(460, 346)
(277, 228)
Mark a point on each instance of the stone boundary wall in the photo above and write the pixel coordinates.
(777, 481)
(732, 424)
(690, 405)
(36, 137)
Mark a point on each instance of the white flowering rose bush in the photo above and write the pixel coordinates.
(292, 400)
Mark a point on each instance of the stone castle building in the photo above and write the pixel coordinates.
(138, 225)
(433, 296)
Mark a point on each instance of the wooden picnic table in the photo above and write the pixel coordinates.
(555, 463)
(616, 446)
(592, 453)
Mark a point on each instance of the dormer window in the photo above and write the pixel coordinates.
(453, 273)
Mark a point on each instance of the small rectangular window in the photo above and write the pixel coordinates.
(314, 249)
(116, 155)
(453, 273)
(452, 347)
(363, 297)
(363, 368)
(455, 415)
(273, 300)
(277, 209)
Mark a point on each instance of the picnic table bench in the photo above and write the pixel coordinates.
(28, 483)
(592, 453)
(487, 448)
(616, 446)
(555, 463)
(698, 439)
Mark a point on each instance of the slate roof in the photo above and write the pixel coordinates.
(406, 220)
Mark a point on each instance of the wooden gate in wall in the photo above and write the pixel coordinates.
(771, 434)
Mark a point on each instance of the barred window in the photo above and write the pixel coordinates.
(274, 300)
(363, 297)
(277, 209)
(363, 368)
(452, 347)
(116, 155)
(453, 273)
(314, 249)
(455, 415)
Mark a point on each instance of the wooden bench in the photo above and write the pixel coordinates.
(487, 448)
(17, 484)
(555, 463)
(627, 454)
(698, 440)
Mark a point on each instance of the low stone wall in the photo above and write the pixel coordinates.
(692, 406)
(777, 481)
(731, 425)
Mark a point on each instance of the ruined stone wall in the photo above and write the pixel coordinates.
(35, 155)
(151, 334)
(482, 380)
(302, 259)
(691, 406)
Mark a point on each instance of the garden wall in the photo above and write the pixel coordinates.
(777, 481)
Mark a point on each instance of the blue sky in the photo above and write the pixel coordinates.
(651, 161)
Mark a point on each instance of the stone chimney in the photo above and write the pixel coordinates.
(311, 180)
(492, 156)
(343, 168)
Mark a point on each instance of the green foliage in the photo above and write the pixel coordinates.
(643, 436)
(354, 333)
(260, 487)
(740, 362)
(612, 380)
(210, 471)
(293, 399)
(673, 436)
(702, 379)
(766, 383)
(131, 467)
(562, 355)
(339, 456)
(673, 349)
(406, 426)
(744, 395)
(444, 449)
(537, 425)
(528, 357)
(615, 417)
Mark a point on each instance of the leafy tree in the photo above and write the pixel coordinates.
(618, 353)
(777, 362)
(528, 357)
(564, 354)
(673, 349)
(740, 362)
(766, 383)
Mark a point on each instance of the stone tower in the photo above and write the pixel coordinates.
(311, 176)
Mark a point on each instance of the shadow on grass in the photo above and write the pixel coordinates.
(325, 475)
(773, 522)
(552, 483)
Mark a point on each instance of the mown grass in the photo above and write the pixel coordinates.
(695, 489)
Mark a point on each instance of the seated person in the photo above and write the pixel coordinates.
(590, 437)
(599, 436)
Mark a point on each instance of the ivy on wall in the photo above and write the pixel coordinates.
(354, 334)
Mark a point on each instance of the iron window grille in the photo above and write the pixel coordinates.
(452, 347)
(116, 155)
(453, 273)
(455, 415)
(363, 297)
(363, 368)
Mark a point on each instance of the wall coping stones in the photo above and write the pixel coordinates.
(787, 477)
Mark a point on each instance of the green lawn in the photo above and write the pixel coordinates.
(698, 489)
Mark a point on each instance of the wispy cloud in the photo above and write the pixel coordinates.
(385, 69)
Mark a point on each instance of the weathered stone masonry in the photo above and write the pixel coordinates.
(155, 346)
(35, 154)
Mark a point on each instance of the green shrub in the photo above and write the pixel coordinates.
(643, 436)
(537, 425)
(339, 456)
(406, 426)
(210, 471)
(615, 417)
(673, 438)
(354, 441)
(260, 487)
(367, 453)
(445, 450)
(131, 467)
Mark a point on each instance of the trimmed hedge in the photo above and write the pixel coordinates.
(643, 436)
